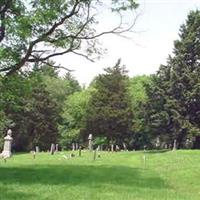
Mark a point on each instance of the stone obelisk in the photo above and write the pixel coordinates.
(90, 142)
(6, 153)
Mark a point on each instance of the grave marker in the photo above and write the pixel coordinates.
(6, 153)
(56, 148)
(52, 150)
(37, 149)
(90, 142)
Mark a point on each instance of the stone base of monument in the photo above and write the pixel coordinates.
(5, 154)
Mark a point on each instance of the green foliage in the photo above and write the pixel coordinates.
(33, 113)
(109, 111)
(61, 27)
(173, 107)
(58, 88)
(32, 103)
(100, 141)
(137, 89)
(73, 115)
(137, 92)
(121, 5)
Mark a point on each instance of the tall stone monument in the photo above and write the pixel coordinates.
(175, 145)
(73, 147)
(37, 149)
(6, 153)
(52, 149)
(90, 142)
(56, 147)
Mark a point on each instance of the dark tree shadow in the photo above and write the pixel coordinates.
(81, 175)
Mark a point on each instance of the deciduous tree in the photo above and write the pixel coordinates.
(35, 31)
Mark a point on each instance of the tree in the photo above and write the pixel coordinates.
(36, 31)
(30, 110)
(74, 84)
(74, 113)
(174, 105)
(139, 98)
(41, 120)
(59, 88)
(109, 110)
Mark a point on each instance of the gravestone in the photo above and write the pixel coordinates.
(6, 153)
(117, 148)
(157, 143)
(175, 145)
(188, 143)
(112, 147)
(124, 146)
(52, 150)
(90, 142)
(56, 147)
(76, 146)
(37, 149)
(73, 147)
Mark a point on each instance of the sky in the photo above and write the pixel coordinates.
(147, 46)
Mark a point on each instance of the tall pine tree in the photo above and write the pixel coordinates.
(174, 98)
(109, 111)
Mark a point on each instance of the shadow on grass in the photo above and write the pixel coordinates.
(87, 176)
(157, 151)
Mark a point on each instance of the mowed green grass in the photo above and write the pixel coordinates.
(121, 176)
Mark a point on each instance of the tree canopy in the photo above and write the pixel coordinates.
(109, 111)
(174, 95)
(35, 31)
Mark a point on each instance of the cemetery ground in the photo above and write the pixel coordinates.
(173, 175)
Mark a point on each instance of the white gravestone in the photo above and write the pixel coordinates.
(175, 145)
(37, 149)
(157, 142)
(76, 145)
(112, 147)
(90, 142)
(73, 147)
(7, 145)
(52, 149)
(56, 147)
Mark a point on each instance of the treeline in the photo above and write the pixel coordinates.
(154, 111)
(31, 104)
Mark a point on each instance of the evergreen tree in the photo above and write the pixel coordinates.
(174, 98)
(109, 111)
(30, 110)
(73, 83)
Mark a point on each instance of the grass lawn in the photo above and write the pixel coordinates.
(121, 176)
